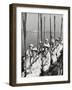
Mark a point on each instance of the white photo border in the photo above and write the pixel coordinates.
(64, 77)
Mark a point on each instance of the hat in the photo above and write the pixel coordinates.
(47, 45)
(46, 39)
(35, 49)
(31, 45)
(57, 39)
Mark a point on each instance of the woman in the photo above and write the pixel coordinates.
(35, 64)
(46, 59)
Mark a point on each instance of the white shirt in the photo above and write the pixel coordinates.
(36, 67)
(46, 61)
(28, 60)
(54, 57)
(59, 48)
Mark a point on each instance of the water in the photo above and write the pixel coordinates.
(32, 38)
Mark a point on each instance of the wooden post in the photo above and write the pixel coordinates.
(44, 28)
(50, 35)
(61, 36)
(41, 41)
(38, 32)
(50, 30)
(24, 30)
(41, 25)
(54, 27)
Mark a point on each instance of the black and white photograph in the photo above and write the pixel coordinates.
(41, 44)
